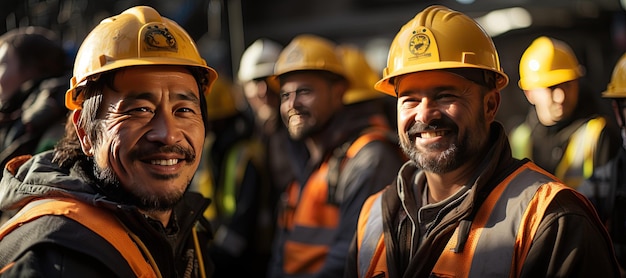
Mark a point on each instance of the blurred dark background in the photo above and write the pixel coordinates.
(595, 29)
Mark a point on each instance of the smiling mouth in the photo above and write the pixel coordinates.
(164, 162)
(431, 134)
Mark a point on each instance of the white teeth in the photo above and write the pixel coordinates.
(165, 162)
(427, 135)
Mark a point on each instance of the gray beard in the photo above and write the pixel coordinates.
(447, 161)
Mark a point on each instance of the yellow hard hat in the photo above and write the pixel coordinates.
(547, 62)
(440, 38)
(360, 74)
(221, 102)
(309, 52)
(617, 86)
(137, 36)
(258, 60)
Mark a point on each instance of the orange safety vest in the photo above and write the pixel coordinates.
(490, 228)
(97, 220)
(311, 218)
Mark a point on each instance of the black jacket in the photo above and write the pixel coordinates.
(56, 246)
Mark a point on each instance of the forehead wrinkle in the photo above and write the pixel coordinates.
(186, 96)
(131, 96)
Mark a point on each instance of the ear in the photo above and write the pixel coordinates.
(492, 103)
(339, 89)
(85, 141)
(529, 96)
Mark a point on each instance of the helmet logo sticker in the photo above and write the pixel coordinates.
(159, 39)
(294, 56)
(419, 43)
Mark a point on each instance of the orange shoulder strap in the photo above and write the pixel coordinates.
(363, 140)
(102, 223)
(531, 220)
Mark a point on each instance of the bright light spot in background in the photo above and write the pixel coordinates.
(501, 21)
(623, 2)
(376, 52)
(472, 1)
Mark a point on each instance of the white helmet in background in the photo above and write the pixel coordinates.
(258, 60)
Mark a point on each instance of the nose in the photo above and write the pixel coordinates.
(558, 95)
(164, 129)
(427, 111)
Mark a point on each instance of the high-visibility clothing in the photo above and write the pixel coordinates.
(98, 221)
(66, 240)
(577, 161)
(493, 242)
(311, 216)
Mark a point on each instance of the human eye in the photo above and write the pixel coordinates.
(447, 96)
(140, 110)
(304, 91)
(284, 96)
(187, 110)
(407, 102)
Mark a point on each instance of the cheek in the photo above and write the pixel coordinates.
(197, 140)
(405, 116)
(284, 111)
(115, 140)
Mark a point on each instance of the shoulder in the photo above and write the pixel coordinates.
(376, 149)
(569, 203)
(59, 240)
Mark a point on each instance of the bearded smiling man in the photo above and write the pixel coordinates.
(462, 206)
(111, 200)
(155, 163)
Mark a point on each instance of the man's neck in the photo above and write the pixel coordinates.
(161, 216)
(442, 186)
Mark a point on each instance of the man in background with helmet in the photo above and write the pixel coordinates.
(567, 131)
(111, 200)
(33, 80)
(349, 159)
(233, 175)
(362, 100)
(462, 206)
(256, 66)
(614, 186)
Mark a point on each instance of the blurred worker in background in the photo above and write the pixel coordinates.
(613, 189)
(232, 173)
(256, 65)
(318, 210)
(566, 131)
(33, 78)
(462, 206)
(285, 157)
(111, 200)
(361, 100)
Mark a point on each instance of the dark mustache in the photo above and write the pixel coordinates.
(419, 127)
(187, 153)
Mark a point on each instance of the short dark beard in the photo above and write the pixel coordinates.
(448, 160)
(108, 181)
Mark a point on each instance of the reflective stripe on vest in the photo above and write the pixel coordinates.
(97, 220)
(370, 238)
(576, 163)
(505, 225)
(311, 220)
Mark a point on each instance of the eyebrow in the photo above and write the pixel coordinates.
(185, 95)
